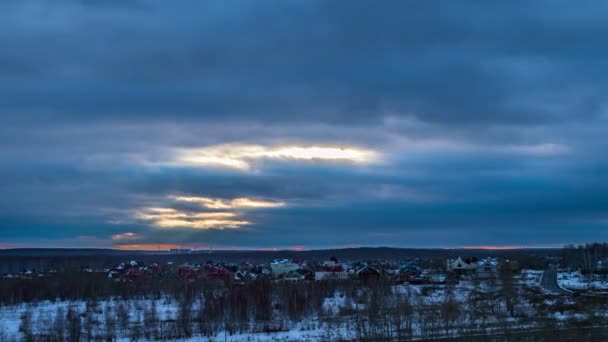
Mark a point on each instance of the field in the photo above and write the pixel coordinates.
(328, 311)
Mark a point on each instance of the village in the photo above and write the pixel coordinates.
(295, 270)
(416, 271)
(312, 298)
(411, 272)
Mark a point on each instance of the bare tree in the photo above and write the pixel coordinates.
(151, 321)
(25, 326)
(74, 324)
(122, 316)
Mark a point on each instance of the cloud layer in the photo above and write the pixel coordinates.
(308, 123)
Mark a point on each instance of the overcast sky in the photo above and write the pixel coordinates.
(302, 124)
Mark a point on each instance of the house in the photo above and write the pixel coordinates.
(293, 276)
(332, 261)
(283, 266)
(368, 273)
(322, 275)
(487, 268)
(220, 273)
(408, 270)
(187, 272)
(438, 278)
(244, 276)
(307, 272)
(602, 266)
(332, 265)
(462, 265)
(333, 268)
(418, 280)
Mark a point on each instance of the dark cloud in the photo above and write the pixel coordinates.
(489, 118)
(299, 60)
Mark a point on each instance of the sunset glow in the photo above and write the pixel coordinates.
(242, 157)
(242, 202)
(497, 248)
(172, 218)
(147, 247)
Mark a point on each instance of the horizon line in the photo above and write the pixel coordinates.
(194, 250)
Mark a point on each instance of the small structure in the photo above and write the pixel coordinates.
(368, 273)
(187, 272)
(601, 266)
(438, 278)
(331, 275)
(333, 268)
(220, 273)
(243, 276)
(180, 251)
(408, 270)
(293, 276)
(307, 272)
(487, 268)
(283, 266)
(418, 280)
(332, 265)
(462, 265)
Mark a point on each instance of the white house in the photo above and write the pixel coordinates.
(458, 264)
(283, 266)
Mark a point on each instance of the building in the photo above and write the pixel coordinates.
(283, 266)
(331, 275)
(180, 251)
(333, 265)
(487, 268)
(462, 265)
(602, 266)
(187, 272)
(438, 278)
(368, 273)
(408, 270)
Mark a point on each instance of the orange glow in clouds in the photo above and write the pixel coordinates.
(147, 246)
(494, 248)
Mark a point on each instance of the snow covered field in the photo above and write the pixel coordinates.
(577, 281)
(433, 310)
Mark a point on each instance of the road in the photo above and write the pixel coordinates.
(549, 280)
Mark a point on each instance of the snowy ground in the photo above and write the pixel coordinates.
(335, 323)
(44, 313)
(530, 277)
(577, 281)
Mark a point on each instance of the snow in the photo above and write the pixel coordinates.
(335, 320)
(530, 278)
(580, 282)
(10, 316)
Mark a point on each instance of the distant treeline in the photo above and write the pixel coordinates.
(584, 257)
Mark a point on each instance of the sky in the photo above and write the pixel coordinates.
(151, 124)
